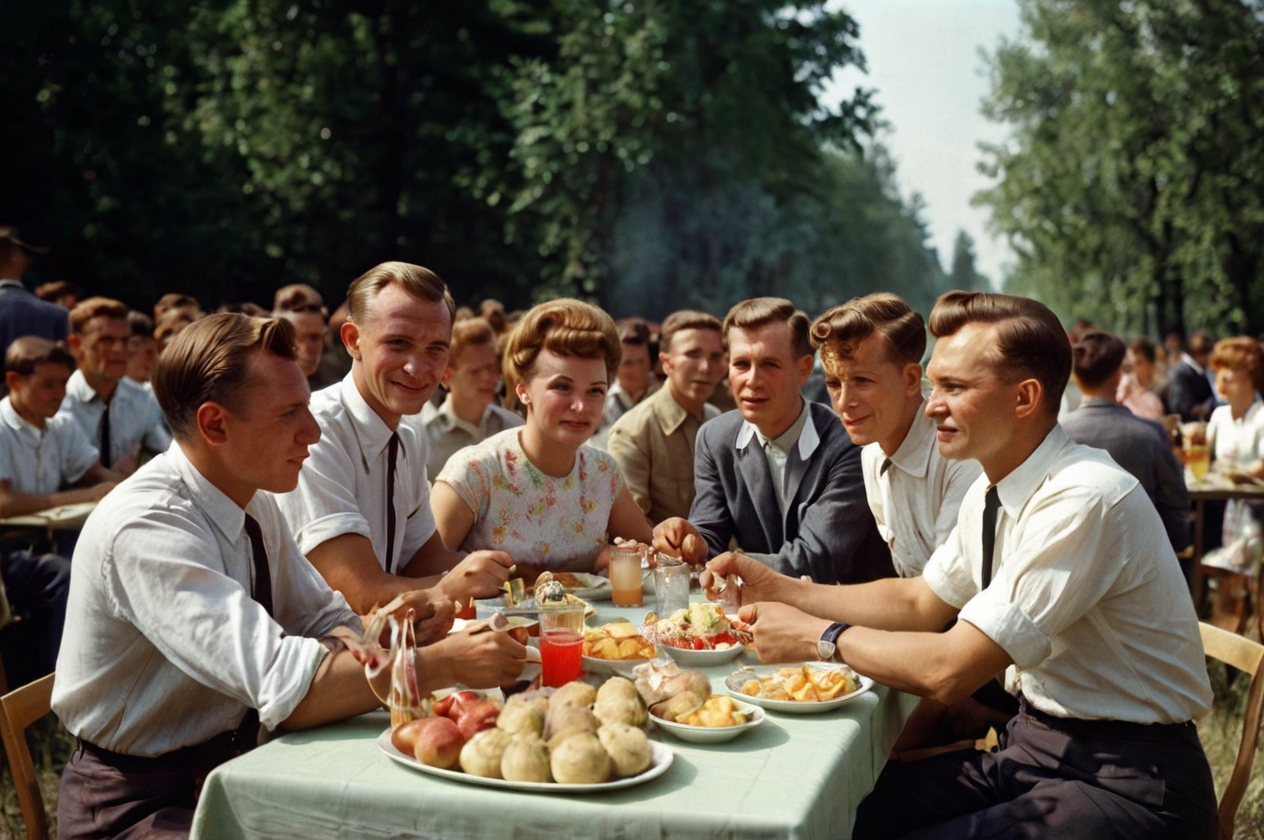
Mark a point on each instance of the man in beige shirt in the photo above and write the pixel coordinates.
(654, 441)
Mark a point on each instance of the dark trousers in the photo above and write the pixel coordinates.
(37, 586)
(108, 795)
(1053, 778)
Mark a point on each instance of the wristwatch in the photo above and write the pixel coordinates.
(828, 644)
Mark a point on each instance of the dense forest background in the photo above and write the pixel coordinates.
(648, 155)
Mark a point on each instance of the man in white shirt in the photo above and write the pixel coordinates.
(120, 417)
(779, 475)
(654, 441)
(40, 454)
(361, 511)
(196, 617)
(1059, 573)
(871, 349)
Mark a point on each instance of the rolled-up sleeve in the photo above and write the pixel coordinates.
(323, 506)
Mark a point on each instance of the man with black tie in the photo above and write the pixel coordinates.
(1053, 574)
(779, 475)
(196, 619)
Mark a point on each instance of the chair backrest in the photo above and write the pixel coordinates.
(18, 710)
(1247, 656)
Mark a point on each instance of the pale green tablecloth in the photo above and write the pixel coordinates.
(797, 776)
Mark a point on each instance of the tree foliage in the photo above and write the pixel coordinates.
(524, 148)
(1131, 188)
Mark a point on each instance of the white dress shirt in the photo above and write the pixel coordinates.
(42, 461)
(1240, 441)
(1087, 597)
(777, 450)
(342, 486)
(135, 418)
(165, 647)
(916, 499)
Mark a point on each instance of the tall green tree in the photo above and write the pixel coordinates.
(1131, 187)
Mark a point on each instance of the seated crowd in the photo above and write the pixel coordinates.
(996, 544)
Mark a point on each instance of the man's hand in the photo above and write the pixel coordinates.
(97, 492)
(677, 537)
(433, 615)
(759, 583)
(487, 659)
(479, 575)
(783, 633)
(128, 463)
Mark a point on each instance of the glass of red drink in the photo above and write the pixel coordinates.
(561, 644)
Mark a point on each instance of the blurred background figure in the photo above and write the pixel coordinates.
(634, 379)
(1141, 390)
(142, 349)
(61, 292)
(469, 413)
(304, 308)
(22, 313)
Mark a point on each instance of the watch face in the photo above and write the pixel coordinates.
(825, 650)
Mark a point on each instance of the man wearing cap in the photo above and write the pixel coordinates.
(21, 312)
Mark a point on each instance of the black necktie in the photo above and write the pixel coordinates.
(990, 504)
(105, 437)
(886, 465)
(263, 577)
(392, 454)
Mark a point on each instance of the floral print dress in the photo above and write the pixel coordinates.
(542, 521)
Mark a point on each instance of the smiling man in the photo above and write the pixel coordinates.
(361, 511)
(1060, 574)
(654, 441)
(779, 475)
(121, 418)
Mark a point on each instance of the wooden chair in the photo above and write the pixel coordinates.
(1247, 656)
(18, 710)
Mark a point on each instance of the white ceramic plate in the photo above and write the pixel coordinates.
(661, 757)
(612, 667)
(733, 683)
(527, 608)
(712, 734)
(595, 587)
(702, 658)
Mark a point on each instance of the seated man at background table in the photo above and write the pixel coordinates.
(779, 475)
(120, 417)
(41, 453)
(1087, 613)
(361, 511)
(197, 618)
(654, 441)
(1138, 445)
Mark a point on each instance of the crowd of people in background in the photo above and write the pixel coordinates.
(451, 445)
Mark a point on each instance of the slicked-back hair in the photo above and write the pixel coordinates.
(1241, 354)
(469, 332)
(759, 312)
(207, 362)
(95, 307)
(687, 319)
(1096, 357)
(566, 327)
(1030, 342)
(840, 328)
(30, 351)
(420, 282)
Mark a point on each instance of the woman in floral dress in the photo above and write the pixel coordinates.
(536, 491)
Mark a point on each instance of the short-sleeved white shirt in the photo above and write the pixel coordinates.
(135, 418)
(1087, 597)
(915, 502)
(165, 647)
(342, 486)
(1238, 441)
(43, 461)
(446, 433)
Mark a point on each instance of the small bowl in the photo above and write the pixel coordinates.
(691, 658)
(712, 734)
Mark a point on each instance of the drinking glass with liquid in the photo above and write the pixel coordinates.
(625, 575)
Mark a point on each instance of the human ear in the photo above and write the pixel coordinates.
(210, 420)
(523, 397)
(350, 334)
(1028, 398)
(912, 378)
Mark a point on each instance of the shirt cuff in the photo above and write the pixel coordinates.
(293, 673)
(324, 529)
(1009, 627)
(941, 583)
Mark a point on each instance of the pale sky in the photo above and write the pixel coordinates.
(924, 63)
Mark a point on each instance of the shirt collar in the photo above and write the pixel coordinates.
(670, 413)
(802, 428)
(8, 283)
(371, 430)
(1189, 360)
(1016, 488)
(221, 510)
(446, 418)
(1100, 402)
(77, 386)
(9, 415)
(914, 452)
